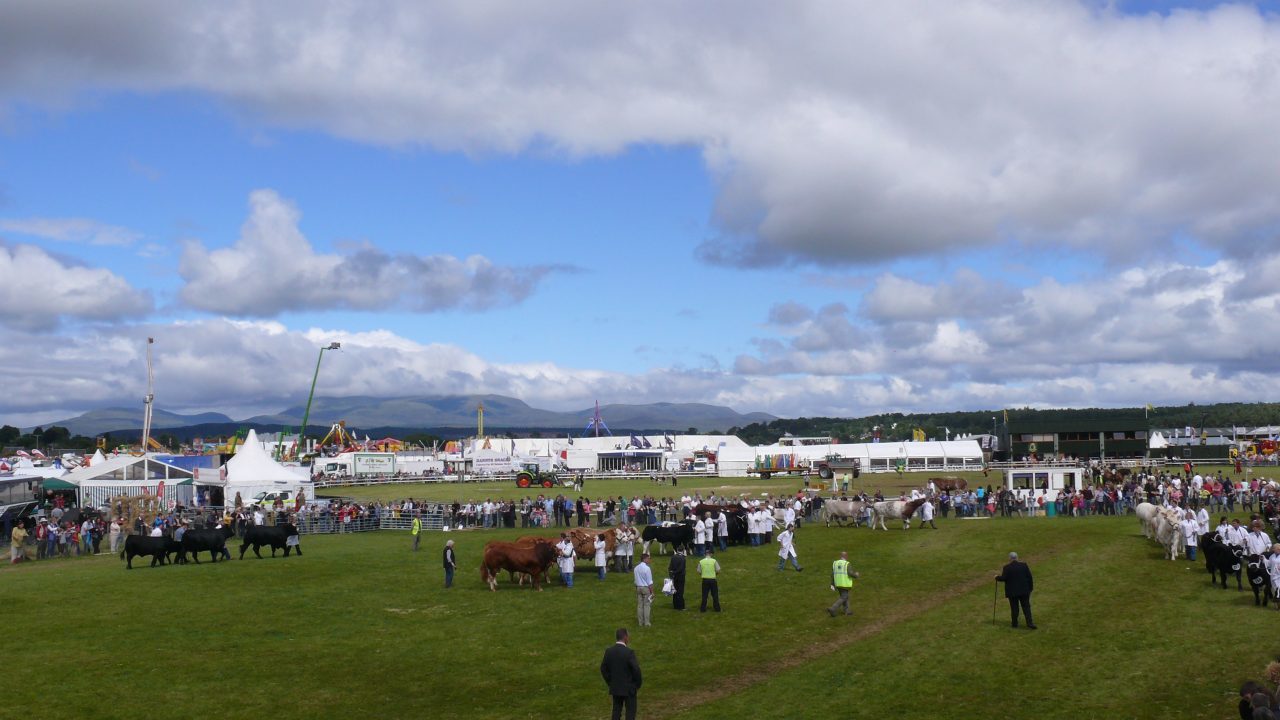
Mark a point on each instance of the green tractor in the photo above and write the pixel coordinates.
(530, 476)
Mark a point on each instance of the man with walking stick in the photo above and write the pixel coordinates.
(1018, 585)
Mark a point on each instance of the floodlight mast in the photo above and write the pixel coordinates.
(302, 433)
(149, 399)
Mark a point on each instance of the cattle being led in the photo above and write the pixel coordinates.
(532, 559)
(158, 548)
(279, 537)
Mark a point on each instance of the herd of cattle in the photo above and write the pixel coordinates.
(532, 556)
(1221, 559)
(164, 550)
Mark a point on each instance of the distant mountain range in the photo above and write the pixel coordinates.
(431, 412)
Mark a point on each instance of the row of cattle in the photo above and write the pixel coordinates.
(840, 511)
(163, 550)
(1221, 559)
(532, 556)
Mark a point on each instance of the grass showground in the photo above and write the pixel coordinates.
(361, 626)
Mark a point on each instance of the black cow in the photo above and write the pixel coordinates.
(1259, 579)
(679, 535)
(198, 541)
(277, 537)
(137, 545)
(737, 522)
(1221, 558)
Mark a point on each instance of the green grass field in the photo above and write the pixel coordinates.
(362, 627)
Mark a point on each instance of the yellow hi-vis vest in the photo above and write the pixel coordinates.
(840, 570)
(417, 526)
(708, 567)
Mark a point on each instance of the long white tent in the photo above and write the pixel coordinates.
(134, 475)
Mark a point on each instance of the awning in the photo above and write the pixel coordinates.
(59, 485)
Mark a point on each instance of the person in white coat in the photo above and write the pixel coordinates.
(787, 549)
(767, 523)
(566, 557)
(1272, 563)
(1190, 534)
(926, 514)
(1256, 541)
(601, 557)
(722, 529)
(1202, 519)
(699, 537)
(753, 527)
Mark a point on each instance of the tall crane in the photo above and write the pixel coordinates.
(149, 399)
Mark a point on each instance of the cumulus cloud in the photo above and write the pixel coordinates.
(40, 290)
(273, 268)
(77, 230)
(838, 132)
(1160, 334)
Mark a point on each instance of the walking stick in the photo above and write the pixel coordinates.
(995, 593)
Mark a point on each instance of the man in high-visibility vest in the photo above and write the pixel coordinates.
(416, 530)
(841, 582)
(708, 568)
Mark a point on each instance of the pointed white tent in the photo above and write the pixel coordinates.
(97, 458)
(252, 466)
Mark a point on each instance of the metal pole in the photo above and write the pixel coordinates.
(306, 415)
(995, 594)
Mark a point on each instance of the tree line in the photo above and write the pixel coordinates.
(899, 426)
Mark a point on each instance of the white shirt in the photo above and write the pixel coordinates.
(785, 547)
(1202, 517)
(1257, 542)
(1273, 568)
(567, 555)
(926, 511)
(1190, 529)
(1236, 536)
(699, 532)
(722, 525)
(788, 516)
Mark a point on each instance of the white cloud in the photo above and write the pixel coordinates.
(839, 132)
(40, 290)
(1169, 333)
(76, 230)
(273, 268)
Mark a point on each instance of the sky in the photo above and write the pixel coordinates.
(805, 208)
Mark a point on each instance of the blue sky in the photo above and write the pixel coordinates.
(640, 204)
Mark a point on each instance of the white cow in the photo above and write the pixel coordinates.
(894, 510)
(1146, 513)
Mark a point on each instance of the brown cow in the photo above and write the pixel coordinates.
(584, 541)
(533, 559)
(949, 483)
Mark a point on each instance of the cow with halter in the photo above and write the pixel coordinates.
(841, 510)
(895, 510)
(1168, 531)
(1220, 557)
(532, 559)
(678, 535)
(735, 519)
(1146, 513)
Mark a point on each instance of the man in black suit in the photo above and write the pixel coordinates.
(1016, 577)
(675, 571)
(621, 672)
